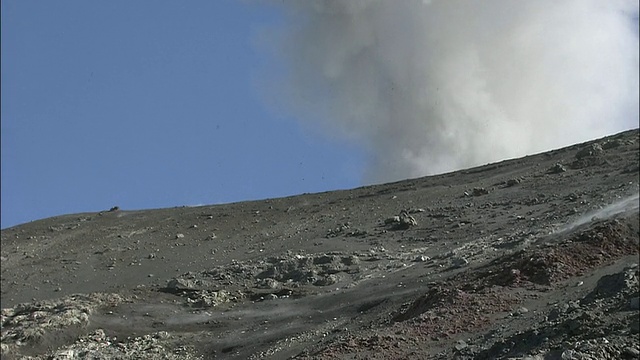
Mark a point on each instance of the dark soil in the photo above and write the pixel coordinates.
(532, 258)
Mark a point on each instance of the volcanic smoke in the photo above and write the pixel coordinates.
(433, 86)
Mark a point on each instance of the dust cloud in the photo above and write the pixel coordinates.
(625, 205)
(427, 87)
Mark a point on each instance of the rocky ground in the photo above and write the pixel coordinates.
(532, 258)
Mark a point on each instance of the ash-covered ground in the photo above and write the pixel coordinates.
(531, 258)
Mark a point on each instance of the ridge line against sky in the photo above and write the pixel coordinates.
(147, 105)
(153, 104)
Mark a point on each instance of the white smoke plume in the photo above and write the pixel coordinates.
(629, 204)
(433, 86)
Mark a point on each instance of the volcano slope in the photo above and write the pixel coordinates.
(531, 258)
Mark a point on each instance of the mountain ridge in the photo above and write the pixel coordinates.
(332, 274)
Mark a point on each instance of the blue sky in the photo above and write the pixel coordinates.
(147, 105)
(155, 104)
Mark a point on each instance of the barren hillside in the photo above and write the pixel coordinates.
(531, 258)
